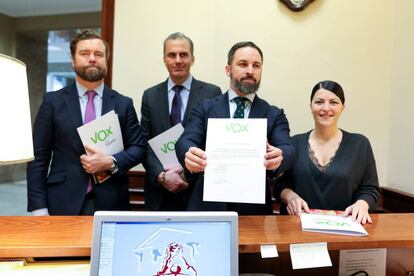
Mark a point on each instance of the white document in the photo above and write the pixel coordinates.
(235, 170)
(372, 261)
(163, 145)
(332, 224)
(103, 133)
(309, 255)
(268, 251)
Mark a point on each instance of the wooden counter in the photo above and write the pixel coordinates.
(386, 231)
(23, 237)
(71, 236)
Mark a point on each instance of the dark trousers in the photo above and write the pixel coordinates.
(89, 206)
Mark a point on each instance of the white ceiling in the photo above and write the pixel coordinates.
(21, 8)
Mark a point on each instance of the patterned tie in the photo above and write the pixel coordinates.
(239, 114)
(90, 115)
(175, 115)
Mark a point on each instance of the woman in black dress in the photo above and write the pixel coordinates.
(335, 169)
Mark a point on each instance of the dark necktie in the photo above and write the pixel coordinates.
(175, 115)
(90, 115)
(239, 113)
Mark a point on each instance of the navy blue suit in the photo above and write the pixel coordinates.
(56, 141)
(195, 136)
(154, 121)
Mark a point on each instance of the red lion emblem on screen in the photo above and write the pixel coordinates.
(175, 263)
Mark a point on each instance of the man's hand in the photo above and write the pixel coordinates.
(273, 157)
(295, 204)
(195, 160)
(172, 180)
(95, 160)
(359, 212)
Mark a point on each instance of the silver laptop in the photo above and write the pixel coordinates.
(164, 243)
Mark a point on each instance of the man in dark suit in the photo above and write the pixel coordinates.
(244, 68)
(59, 180)
(165, 188)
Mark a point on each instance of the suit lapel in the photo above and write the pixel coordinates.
(162, 95)
(259, 108)
(221, 107)
(108, 100)
(194, 96)
(75, 114)
(73, 105)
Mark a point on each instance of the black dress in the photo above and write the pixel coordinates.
(350, 176)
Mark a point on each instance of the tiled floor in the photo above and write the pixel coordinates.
(13, 199)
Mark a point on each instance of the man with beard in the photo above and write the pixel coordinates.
(59, 180)
(244, 68)
(165, 188)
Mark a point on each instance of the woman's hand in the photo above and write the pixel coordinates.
(359, 212)
(295, 204)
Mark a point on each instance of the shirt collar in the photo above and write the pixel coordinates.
(186, 83)
(82, 89)
(233, 95)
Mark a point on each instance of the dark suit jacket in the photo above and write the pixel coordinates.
(195, 136)
(155, 120)
(56, 141)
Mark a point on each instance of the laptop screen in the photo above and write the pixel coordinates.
(165, 243)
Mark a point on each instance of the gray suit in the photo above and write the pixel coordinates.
(155, 120)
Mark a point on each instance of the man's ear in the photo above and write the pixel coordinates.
(227, 69)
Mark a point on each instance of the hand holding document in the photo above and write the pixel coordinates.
(163, 145)
(235, 170)
(103, 133)
(331, 224)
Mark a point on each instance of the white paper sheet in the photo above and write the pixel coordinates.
(269, 251)
(163, 145)
(103, 133)
(309, 255)
(235, 171)
(372, 261)
(332, 224)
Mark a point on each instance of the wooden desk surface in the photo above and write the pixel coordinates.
(386, 231)
(45, 236)
(71, 236)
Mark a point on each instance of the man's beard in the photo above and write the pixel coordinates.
(246, 89)
(91, 75)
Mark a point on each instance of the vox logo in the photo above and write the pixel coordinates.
(101, 135)
(169, 146)
(235, 127)
(332, 223)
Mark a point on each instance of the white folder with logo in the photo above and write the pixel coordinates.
(163, 145)
(103, 133)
